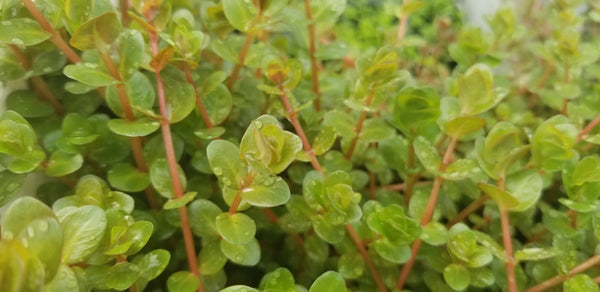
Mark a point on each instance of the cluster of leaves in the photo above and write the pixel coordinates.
(203, 145)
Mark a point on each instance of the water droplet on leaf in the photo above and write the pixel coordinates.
(217, 170)
(17, 41)
(43, 226)
(30, 231)
(258, 124)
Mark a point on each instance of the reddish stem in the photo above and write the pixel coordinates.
(235, 204)
(312, 50)
(402, 27)
(468, 210)
(566, 100)
(358, 128)
(124, 6)
(136, 142)
(363, 252)
(509, 265)
(39, 85)
(560, 278)
(428, 213)
(55, 38)
(293, 117)
(242, 57)
(172, 162)
(199, 102)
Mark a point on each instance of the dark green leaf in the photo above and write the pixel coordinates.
(125, 177)
(180, 202)
(160, 177)
(27, 104)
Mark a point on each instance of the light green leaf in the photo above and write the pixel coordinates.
(502, 198)
(224, 159)
(329, 281)
(211, 258)
(151, 265)
(126, 177)
(428, 154)
(202, 218)
(246, 255)
(10, 185)
(83, 228)
(180, 202)
(461, 126)
(131, 52)
(239, 288)
(137, 128)
(534, 254)
(122, 275)
(391, 251)
(182, 281)
(160, 177)
(342, 123)
(351, 265)
(96, 32)
(240, 14)
(526, 187)
(586, 170)
(65, 282)
(181, 98)
(434, 233)
(324, 140)
(580, 283)
(236, 228)
(266, 191)
(62, 163)
(22, 32)
(457, 276)
(89, 73)
(210, 133)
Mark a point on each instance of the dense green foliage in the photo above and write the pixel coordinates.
(316, 145)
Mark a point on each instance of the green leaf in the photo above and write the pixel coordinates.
(137, 128)
(434, 233)
(218, 103)
(236, 228)
(211, 259)
(534, 254)
(151, 265)
(351, 265)
(210, 133)
(266, 191)
(10, 185)
(34, 225)
(83, 228)
(96, 32)
(476, 92)
(202, 218)
(224, 159)
(526, 187)
(391, 251)
(131, 52)
(122, 275)
(580, 283)
(552, 143)
(180, 202)
(48, 62)
(457, 276)
(586, 170)
(246, 254)
(239, 288)
(181, 98)
(240, 14)
(89, 73)
(161, 178)
(281, 279)
(22, 32)
(325, 230)
(582, 207)
(141, 96)
(329, 281)
(126, 177)
(19, 151)
(27, 104)
(65, 282)
(342, 123)
(502, 198)
(12, 69)
(182, 281)
(375, 130)
(416, 109)
(62, 163)
(461, 126)
(428, 154)
(324, 140)
(461, 169)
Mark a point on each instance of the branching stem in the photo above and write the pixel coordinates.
(55, 38)
(235, 204)
(428, 214)
(199, 101)
(172, 162)
(544, 286)
(509, 265)
(313, 60)
(468, 210)
(359, 125)
(363, 251)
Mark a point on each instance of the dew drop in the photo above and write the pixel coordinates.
(258, 124)
(25, 242)
(269, 181)
(30, 231)
(27, 20)
(48, 69)
(17, 41)
(43, 226)
(12, 187)
(226, 181)
(238, 258)
(217, 170)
